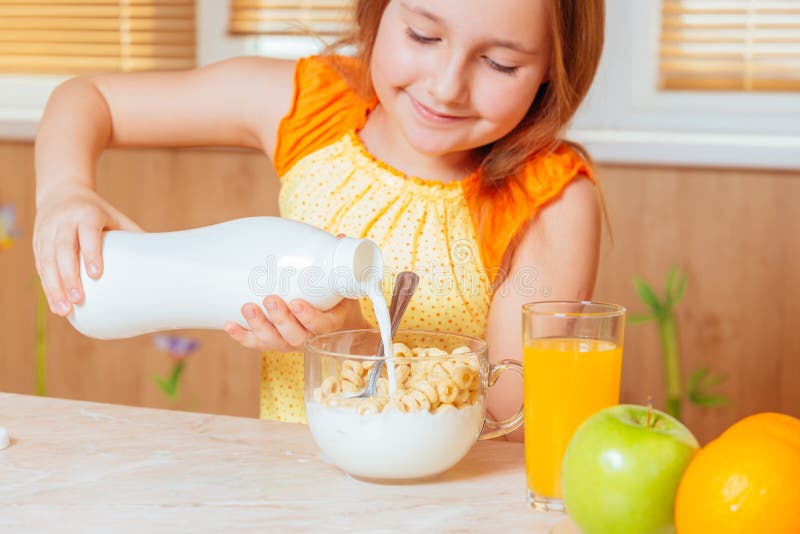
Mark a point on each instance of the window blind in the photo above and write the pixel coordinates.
(324, 18)
(87, 36)
(730, 45)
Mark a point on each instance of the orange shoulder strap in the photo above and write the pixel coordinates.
(324, 107)
(498, 214)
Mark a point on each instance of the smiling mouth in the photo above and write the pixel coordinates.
(432, 115)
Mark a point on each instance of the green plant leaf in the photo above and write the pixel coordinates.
(41, 340)
(175, 378)
(647, 296)
(714, 380)
(679, 290)
(640, 318)
(165, 385)
(709, 401)
(673, 271)
(699, 386)
(695, 378)
(703, 379)
(158, 381)
(674, 288)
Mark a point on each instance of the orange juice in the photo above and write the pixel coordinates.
(566, 381)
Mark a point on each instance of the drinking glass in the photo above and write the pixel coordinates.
(572, 360)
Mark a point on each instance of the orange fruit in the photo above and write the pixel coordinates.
(745, 481)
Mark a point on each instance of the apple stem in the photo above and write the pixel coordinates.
(649, 411)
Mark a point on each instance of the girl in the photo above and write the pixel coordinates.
(439, 141)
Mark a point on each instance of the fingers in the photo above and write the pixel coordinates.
(70, 222)
(249, 338)
(289, 327)
(36, 258)
(58, 267)
(52, 284)
(67, 262)
(46, 266)
(58, 270)
(261, 335)
(90, 239)
(281, 331)
(264, 329)
(316, 321)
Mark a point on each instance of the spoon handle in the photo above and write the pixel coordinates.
(404, 288)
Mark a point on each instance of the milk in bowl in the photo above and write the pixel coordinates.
(418, 427)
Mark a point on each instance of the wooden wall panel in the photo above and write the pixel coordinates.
(17, 283)
(736, 236)
(733, 232)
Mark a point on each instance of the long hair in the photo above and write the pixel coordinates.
(576, 29)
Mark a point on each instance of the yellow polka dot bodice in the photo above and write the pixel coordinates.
(419, 226)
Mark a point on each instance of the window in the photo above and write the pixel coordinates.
(730, 45)
(289, 28)
(86, 36)
(629, 118)
(323, 18)
(630, 115)
(44, 42)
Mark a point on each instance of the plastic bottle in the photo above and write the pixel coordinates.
(200, 278)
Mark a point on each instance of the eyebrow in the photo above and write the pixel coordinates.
(419, 10)
(513, 45)
(503, 43)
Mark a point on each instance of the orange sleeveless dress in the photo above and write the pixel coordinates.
(329, 180)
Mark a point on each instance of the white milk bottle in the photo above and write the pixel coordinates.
(200, 278)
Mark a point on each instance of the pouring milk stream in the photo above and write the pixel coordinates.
(200, 278)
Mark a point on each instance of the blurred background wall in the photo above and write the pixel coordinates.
(733, 232)
(702, 176)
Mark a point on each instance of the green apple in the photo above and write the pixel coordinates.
(622, 468)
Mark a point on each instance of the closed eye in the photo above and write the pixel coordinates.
(498, 67)
(420, 38)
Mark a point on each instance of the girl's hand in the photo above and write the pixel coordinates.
(289, 326)
(70, 219)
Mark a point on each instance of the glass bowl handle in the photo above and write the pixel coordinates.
(492, 428)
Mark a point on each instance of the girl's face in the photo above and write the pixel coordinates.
(455, 75)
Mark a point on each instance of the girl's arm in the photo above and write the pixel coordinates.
(238, 102)
(562, 244)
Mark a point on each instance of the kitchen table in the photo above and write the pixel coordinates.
(87, 467)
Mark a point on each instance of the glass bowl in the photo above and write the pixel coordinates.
(416, 427)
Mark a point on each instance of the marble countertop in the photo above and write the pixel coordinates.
(82, 467)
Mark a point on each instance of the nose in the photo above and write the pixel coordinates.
(449, 81)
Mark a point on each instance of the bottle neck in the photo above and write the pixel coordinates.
(357, 266)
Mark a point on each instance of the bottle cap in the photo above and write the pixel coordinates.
(4, 439)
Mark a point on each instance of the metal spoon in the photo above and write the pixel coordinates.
(404, 288)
